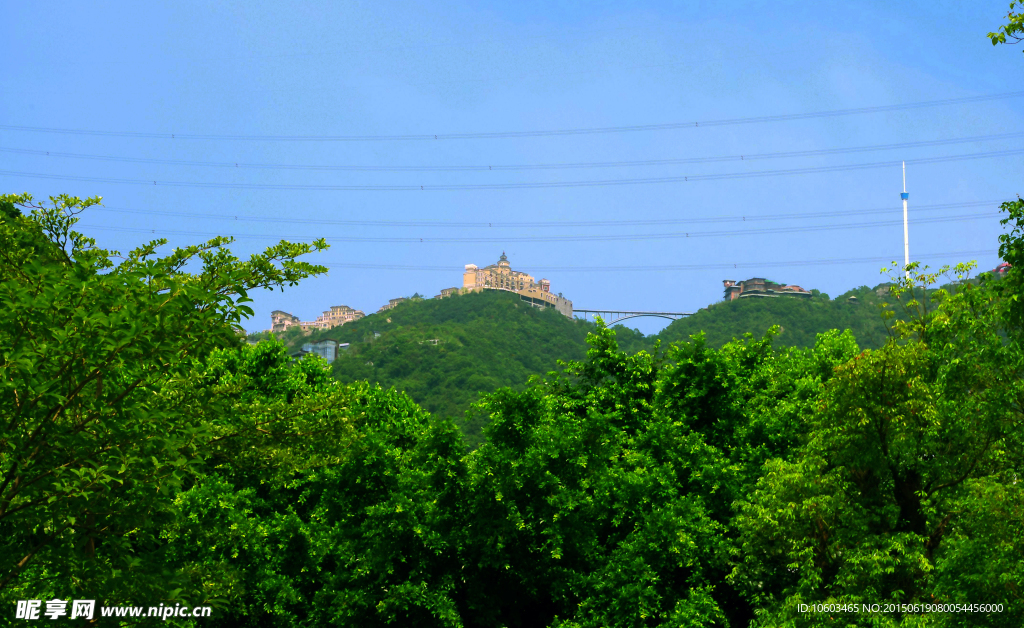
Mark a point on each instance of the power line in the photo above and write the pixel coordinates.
(516, 167)
(565, 238)
(548, 224)
(665, 267)
(520, 186)
(520, 134)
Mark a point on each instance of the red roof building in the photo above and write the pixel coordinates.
(1002, 269)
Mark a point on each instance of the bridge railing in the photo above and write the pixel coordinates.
(610, 317)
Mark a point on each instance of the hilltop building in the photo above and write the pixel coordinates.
(1001, 270)
(391, 304)
(280, 321)
(500, 276)
(337, 315)
(759, 287)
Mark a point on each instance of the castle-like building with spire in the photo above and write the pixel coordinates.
(500, 276)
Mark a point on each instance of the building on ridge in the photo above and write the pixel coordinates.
(761, 287)
(337, 315)
(500, 276)
(391, 304)
(280, 321)
(1001, 269)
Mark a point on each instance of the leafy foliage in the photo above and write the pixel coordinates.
(148, 453)
(907, 444)
(353, 523)
(102, 420)
(1013, 30)
(1011, 249)
(602, 496)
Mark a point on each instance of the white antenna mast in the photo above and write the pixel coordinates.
(906, 233)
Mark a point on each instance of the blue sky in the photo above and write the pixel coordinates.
(240, 73)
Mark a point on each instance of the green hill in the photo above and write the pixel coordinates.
(445, 352)
(801, 320)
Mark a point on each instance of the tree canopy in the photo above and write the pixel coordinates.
(103, 419)
(149, 454)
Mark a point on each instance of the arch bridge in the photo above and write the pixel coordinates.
(611, 317)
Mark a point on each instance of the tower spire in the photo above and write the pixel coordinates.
(906, 232)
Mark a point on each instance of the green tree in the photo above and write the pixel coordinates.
(908, 446)
(603, 496)
(1013, 30)
(350, 518)
(1011, 249)
(587, 507)
(103, 420)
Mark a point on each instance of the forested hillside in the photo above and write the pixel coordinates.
(445, 352)
(800, 320)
